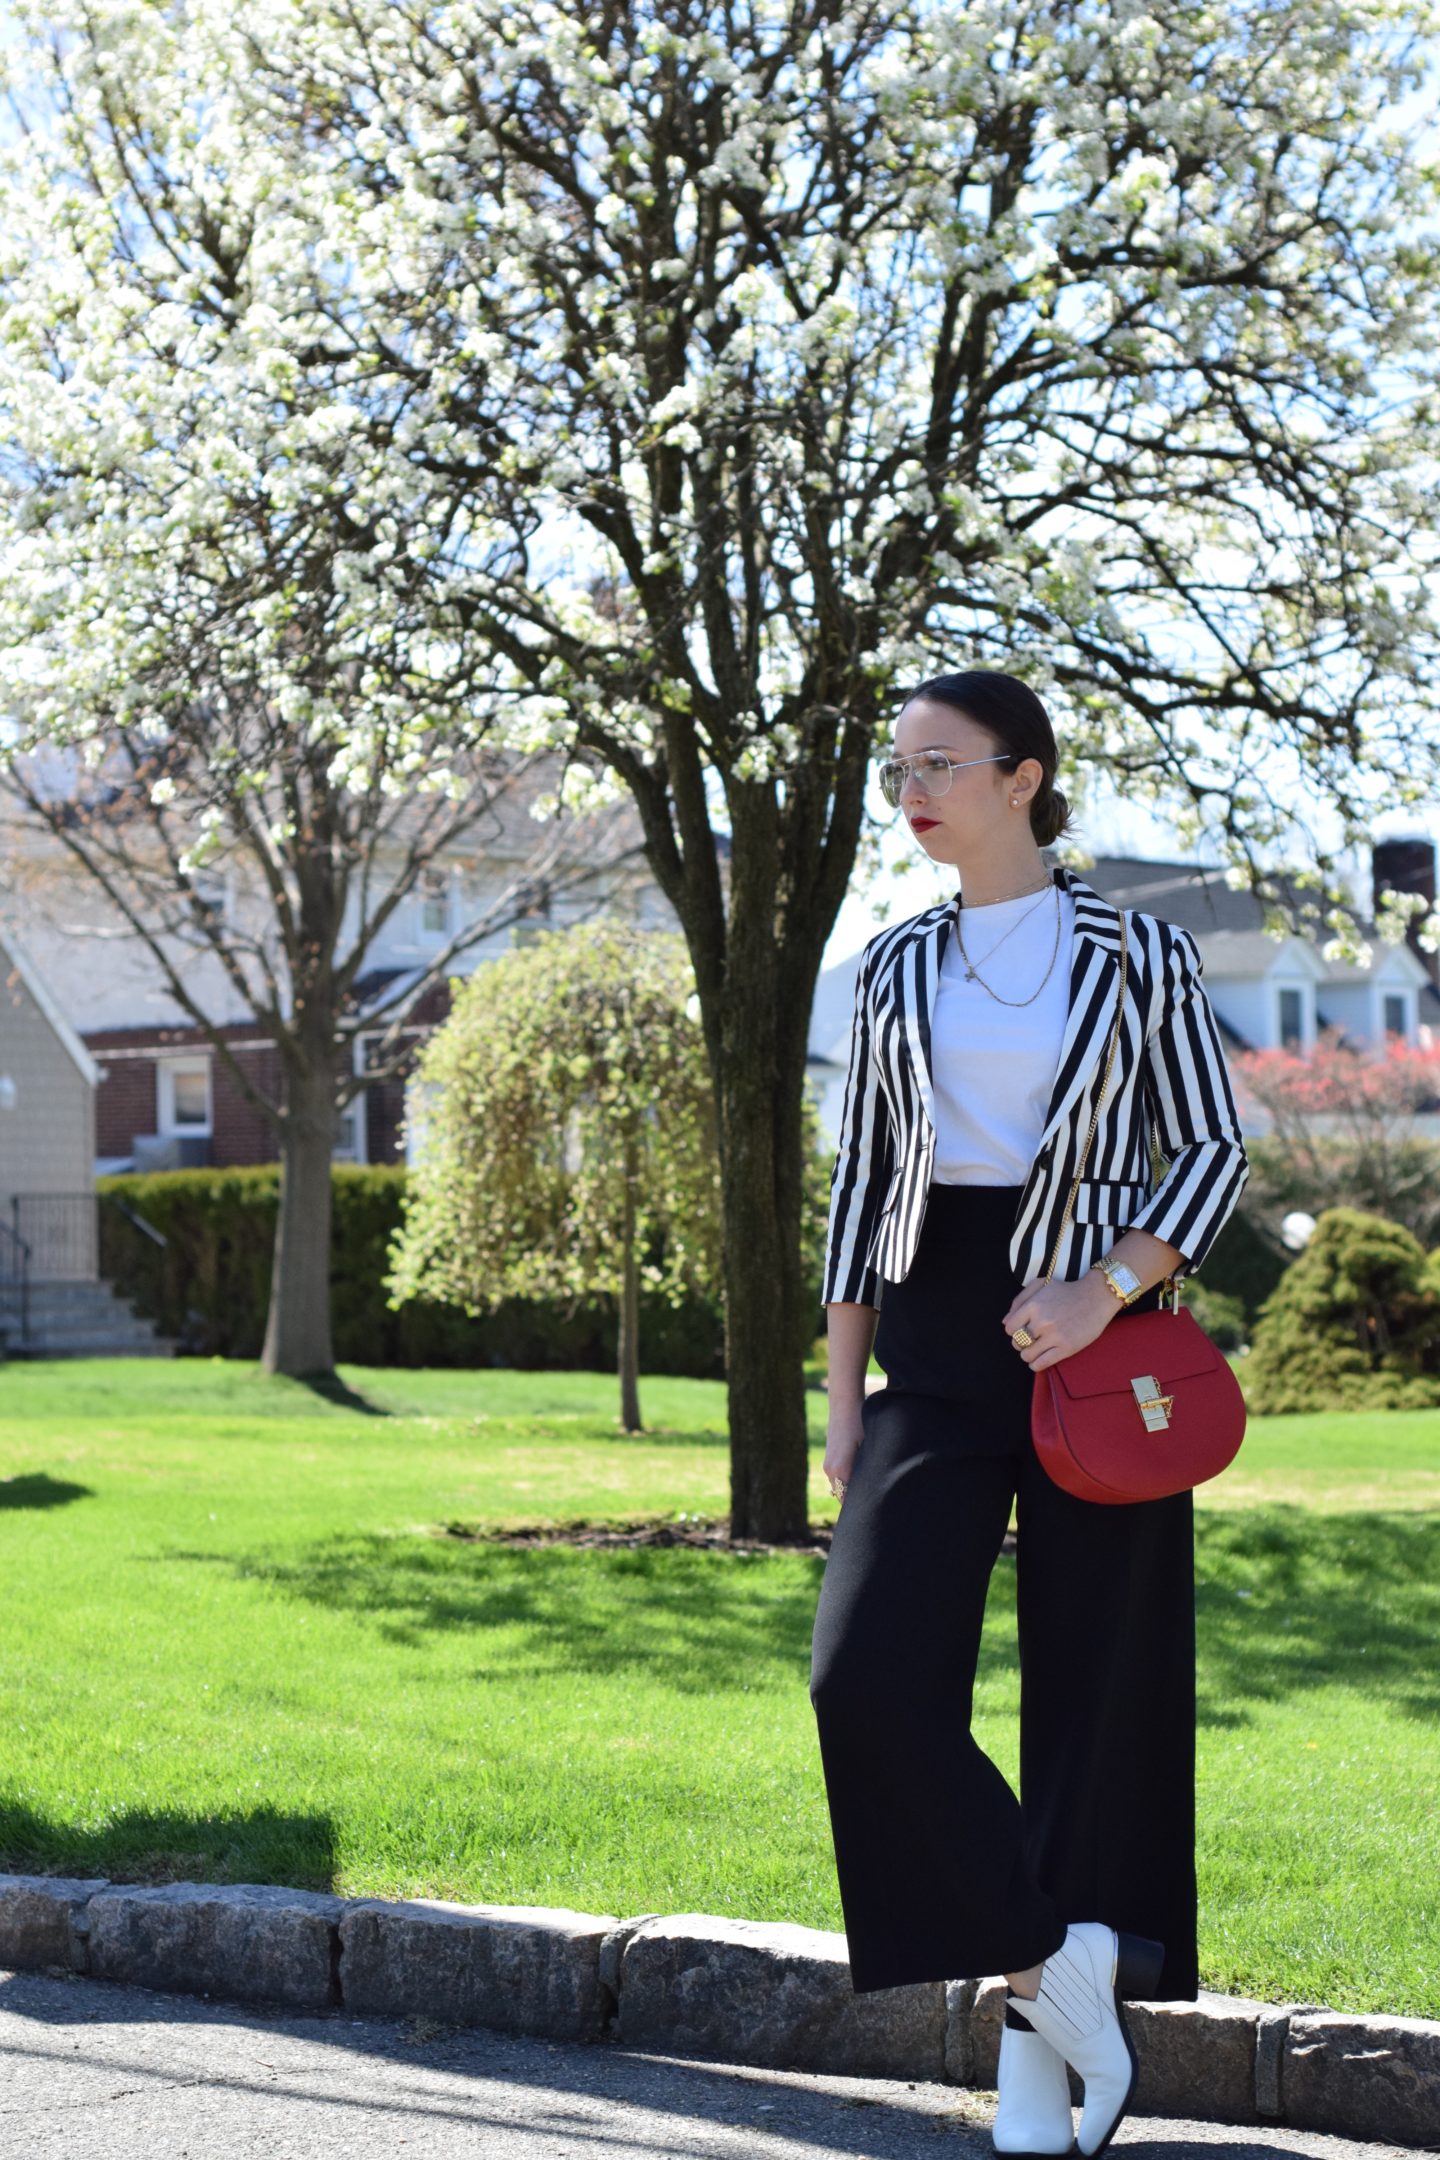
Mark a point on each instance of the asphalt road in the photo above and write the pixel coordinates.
(92, 2071)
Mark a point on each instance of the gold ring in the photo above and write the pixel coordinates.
(1022, 1338)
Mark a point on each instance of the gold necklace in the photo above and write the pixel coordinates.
(1010, 895)
(970, 971)
(973, 976)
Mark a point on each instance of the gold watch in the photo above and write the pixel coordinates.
(1123, 1280)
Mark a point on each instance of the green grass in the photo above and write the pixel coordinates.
(235, 1645)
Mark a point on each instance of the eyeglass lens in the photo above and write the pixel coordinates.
(931, 767)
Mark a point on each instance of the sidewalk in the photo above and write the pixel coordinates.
(91, 2070)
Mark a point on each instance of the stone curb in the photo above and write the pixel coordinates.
(771, 1995)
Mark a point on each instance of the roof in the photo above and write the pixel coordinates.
(59, 1026)
(1196, 896)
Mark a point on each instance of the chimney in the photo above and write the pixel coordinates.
(1407, 866)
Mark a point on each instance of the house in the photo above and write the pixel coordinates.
(166, 1099)
(1266, 992)
(1273, 993)
(47, 1129)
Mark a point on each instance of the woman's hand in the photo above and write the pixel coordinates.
(1061, 1317)
(843, 1436)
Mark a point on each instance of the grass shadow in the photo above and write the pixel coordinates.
(160, 1845)
(1287, 1600)
(692, 1620)
(340, 1395)
(36, 1489)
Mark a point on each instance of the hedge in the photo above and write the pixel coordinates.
(209, 1285)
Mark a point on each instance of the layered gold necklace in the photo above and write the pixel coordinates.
(972, 971)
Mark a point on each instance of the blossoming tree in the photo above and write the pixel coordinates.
(730, 367)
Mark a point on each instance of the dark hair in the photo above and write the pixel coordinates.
(1009, 710)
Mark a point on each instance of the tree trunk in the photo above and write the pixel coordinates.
(769, 1322)
(629, 1308)
(298, 1338)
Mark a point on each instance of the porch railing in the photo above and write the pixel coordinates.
(60, 1232)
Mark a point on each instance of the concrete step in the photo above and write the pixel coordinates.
(64, 1318)
(78, 1319)
(115, 1337)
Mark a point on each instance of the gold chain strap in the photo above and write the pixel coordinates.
(1104, 1087)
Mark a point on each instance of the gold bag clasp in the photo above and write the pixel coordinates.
(1154, 1407)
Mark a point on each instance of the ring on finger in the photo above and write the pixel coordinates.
(1022, 1338)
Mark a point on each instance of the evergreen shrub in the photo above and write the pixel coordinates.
(1353, 1324)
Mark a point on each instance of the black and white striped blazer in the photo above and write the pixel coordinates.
(1169, 1064)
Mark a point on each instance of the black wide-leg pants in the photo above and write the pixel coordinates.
(943, 1872)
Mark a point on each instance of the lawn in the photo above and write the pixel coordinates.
(236, 1643)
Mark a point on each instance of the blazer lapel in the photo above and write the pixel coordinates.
(1094, 976)
(919, 981)
(1094, 972)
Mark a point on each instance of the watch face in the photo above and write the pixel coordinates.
(1128, 1280)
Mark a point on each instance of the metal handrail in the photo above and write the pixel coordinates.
(145, 1227)
(18, 1272)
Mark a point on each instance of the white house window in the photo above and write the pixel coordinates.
(435, 904)
(349, 1141)
(1292, 1020)
(1395, 1017)
(184, 1096)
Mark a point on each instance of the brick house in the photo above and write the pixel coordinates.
(166, 1099)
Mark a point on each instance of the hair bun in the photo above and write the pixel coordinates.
(1052, 816)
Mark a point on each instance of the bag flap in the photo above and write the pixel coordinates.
(1167, 1346)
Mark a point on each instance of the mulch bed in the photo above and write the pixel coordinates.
(707, 1536)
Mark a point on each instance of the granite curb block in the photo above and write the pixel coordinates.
(513, 1968)
(772, 1995)
(244, 1939)
(780, 1993)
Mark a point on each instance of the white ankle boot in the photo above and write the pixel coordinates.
(1078, 2010)
(1034, 2112)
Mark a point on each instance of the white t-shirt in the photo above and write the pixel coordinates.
(994, 1065)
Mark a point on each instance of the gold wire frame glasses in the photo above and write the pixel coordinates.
(932, 768)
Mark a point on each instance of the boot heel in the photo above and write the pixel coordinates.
(1138, 1964)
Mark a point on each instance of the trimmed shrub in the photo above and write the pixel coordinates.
(1354, 1323)
(209, 1284)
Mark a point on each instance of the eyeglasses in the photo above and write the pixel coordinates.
(932, 769)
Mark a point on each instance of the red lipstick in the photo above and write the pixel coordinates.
(923, 824)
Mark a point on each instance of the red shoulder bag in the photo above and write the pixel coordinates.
(1151, 1406)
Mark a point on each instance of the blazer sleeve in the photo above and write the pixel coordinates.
(1186, 1088)
(863, 1163)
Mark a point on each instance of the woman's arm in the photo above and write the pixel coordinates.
(850, 1332)
(1186, 1087)
(860, 1178)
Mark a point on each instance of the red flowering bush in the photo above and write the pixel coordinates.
(1342, 1131)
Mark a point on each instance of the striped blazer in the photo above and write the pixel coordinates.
(1169, 1065)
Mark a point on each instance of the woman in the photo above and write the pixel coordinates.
(980, 1036)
